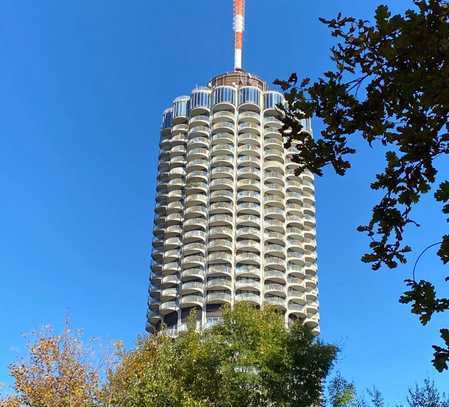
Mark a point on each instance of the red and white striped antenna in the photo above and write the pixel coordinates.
(239, 27)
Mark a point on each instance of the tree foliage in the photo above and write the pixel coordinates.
(248, 360)
(390, 85)
(57, 373)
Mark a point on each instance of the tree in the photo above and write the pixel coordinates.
(426, 396)
(390, 85)
(341, 392)
(250, 359)
(56, 373)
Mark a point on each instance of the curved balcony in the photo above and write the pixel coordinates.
(178, 161)
(221, 184)
(177, 150)
(312, 295)
(297, 309)
(192, 301)
(168, 294)
(221, 232)
(191, 287)
(153, 317)
(198, 142)
(172, 243)
(274, 176)
(248, 246)
(248, 196)
(296, 270)
(246, 160)
(249, 150)
(221, 207)
(271, 155)
(278, 290)
(312, 322)
(274, 225)
(245, 270)
(194, 248)
(175, 183)
(248, 208)
(251, 117)
(192, 273)
(294, 197)
(273, 122)
(196, 188)
(192, 262)
(199, 131)
(219, 258)
(249, 233)
(309, 220)
(218, 298)
(222, 172)
(273, 199)
(194, 224)
(275, 250)
(223, 245)
(174, 196)
(297, 283)
(248, 258)
(197, 176)
(222, 196)
(275, 237)
(274, 189)
(168, 307)
(222, 126)
(155, 305)
(249, 184)
(173, 231)
(219, 270)
(219, 283)
(171, 255)
(222, 160)
(251, 128)
(196, 199)
(195, 212)
(194, 236)
(275, 263)
(248, 173)
(248, 297)
(295, 222)
(276, 301)
(221, 220)
(249, 138)
(202, 120)
(251, 284)
(179, 128)
(248, 220)
(198, 164)
(229, 116)
(197, 153)
(297, 295)
(175, 206)
(170, 268)
(170, 280)
(223, 138)
(179, 138)
(274, 212)
(274, 276)
(310, 244)
(274, 142)
(222, 149)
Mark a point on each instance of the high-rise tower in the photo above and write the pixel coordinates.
(232, 220)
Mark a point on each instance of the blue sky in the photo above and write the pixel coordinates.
(83, 85)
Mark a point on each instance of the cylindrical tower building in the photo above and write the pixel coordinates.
(232, 220)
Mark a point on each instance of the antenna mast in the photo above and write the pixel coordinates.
(239, 27)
